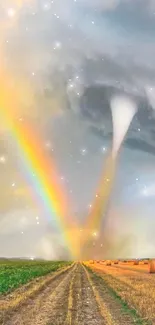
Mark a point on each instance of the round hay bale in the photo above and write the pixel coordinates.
(152, 266)
(115, 262)
(108, 263)
(92, 262)
(136, 262)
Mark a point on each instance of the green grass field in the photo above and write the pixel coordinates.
(17, 272)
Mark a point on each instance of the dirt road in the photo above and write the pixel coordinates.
(72, 297)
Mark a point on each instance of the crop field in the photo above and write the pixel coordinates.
(16, 273)
(79, 293)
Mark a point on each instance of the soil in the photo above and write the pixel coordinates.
(72, 297)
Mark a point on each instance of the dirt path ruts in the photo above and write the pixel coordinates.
(111, 309)
(72, 298)
(85, 310)
(41, 308)
(133, 289)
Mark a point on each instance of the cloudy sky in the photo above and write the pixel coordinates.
(62, 65)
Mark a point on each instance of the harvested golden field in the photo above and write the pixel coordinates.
(132, 283)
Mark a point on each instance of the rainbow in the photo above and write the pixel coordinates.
(42, 174)
(40, 168)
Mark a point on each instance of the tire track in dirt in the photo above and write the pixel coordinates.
(135, 289)
(74, 297)
(105, 312)
(18, 297)
(91, 303)
(111, 308)
(70, 302)
(41, 308)
(67, 300)
(85, 309)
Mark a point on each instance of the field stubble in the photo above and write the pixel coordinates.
(136, 288)
(72, 296)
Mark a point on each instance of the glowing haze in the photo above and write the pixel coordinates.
(64, 70)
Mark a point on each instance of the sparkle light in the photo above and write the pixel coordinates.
(57, 45)
(11, 12)
(83, 151)
(48, 145)
(103, 149)
(95, 234)
(46, 6)
(2, 159)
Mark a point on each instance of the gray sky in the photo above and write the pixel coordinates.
(66, 62)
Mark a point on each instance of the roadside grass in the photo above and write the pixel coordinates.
(124, 306)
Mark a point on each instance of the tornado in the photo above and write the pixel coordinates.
(123, 110)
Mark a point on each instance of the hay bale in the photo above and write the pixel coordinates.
(92, 262)
(152, 266)
(115, 262)
(143, 262)
(136, 262)
(108, 263)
